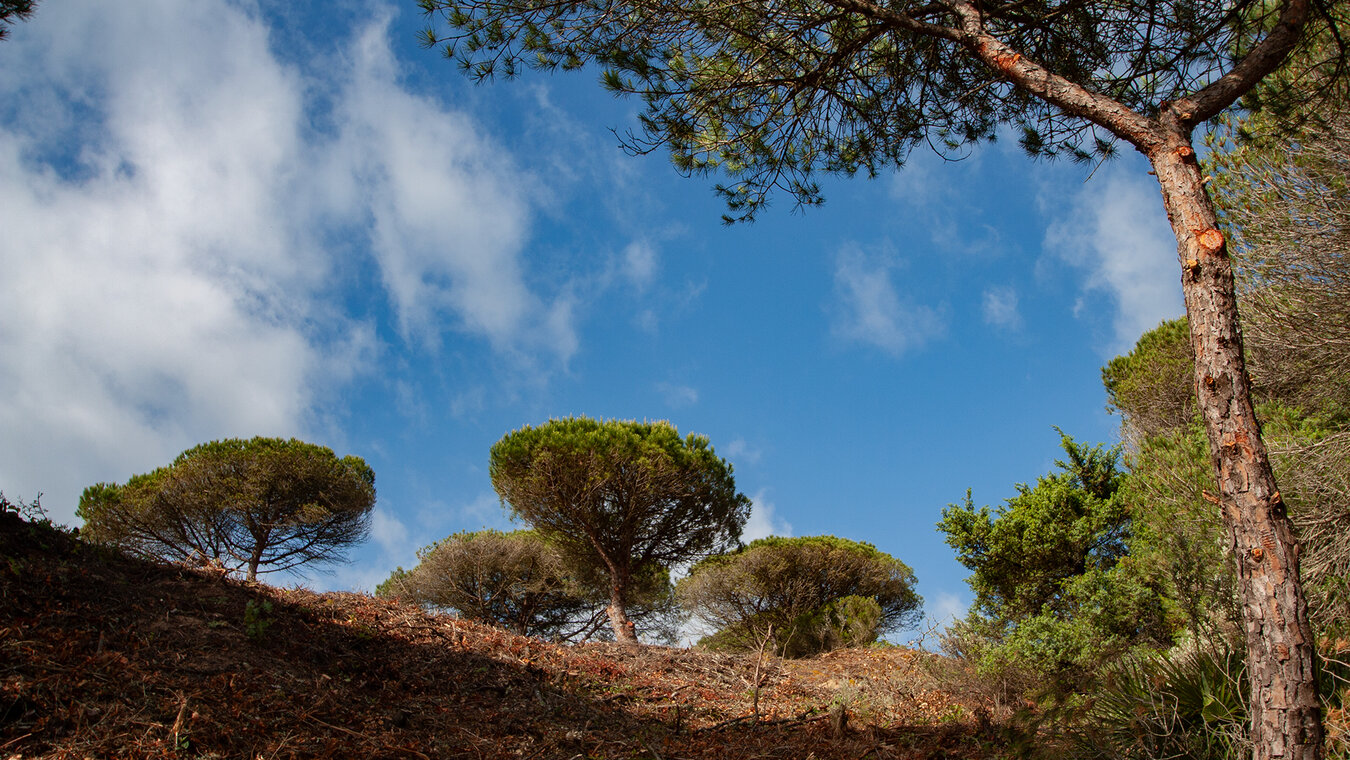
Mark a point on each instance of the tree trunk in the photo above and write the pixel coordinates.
(624, 630)
(254, 560)
(1285, 711)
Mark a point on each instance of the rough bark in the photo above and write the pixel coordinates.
(254, 561)
(624, 630)
(1285, 711)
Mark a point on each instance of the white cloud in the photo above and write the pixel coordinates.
(169, 217)
(449, 211)
(1116, 231)
(640, 262)
(1000, 308)
(763, 522)
(868, 310)
(157, 291)
(947, 609)
(739, 450)
(486, 509)
(389, 532)
(677, 395)
(936, 192)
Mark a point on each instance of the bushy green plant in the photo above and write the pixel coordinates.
(1189, 705)
(520, 581)
(1056, 594)
(808, 595)
(257, 618)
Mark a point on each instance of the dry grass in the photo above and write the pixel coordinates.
(104, 656)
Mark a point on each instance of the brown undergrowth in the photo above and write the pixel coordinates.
(104, 656)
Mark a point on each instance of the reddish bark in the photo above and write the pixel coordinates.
(624, 630)
(1286, 713)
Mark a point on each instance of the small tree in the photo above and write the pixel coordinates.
(1054, 592)
(620, 498)
(517, 581)
(813, 594)
(512, 580)
(261, 505)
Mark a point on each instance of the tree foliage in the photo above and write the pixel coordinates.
(804, 595)
(620, 497)
(1152, 386)
(512, 580)
(1055, 591)
(1285, 198)
(261, 505)
(14, 10)
(1286, 202)
(771, 93)
(1177, 538)
(521, 582)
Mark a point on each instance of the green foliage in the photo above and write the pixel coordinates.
(771, 94)
(257, 618)
(1281, 184)
(397, 585)
(1186, 705)
(262, 505)
(850, 621)
(1055, 592)
(1178, 538)
(1190, 703)
(619, 498)
(1153, 386)
(808, 595)
(14, 10)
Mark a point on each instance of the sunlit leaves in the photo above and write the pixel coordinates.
(261, 504)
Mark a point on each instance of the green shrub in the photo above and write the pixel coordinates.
(1188, 705)
(808, 595)
(1057, 594)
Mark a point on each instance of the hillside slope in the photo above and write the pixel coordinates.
(105, 656)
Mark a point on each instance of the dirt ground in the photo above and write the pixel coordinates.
(103, 656)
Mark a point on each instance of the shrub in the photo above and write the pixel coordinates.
(521, 582)
(809, 595)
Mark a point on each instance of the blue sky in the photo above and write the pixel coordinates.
(227, 219)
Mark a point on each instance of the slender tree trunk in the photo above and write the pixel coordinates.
(1285, 711)
(254, 561)
(624, 630)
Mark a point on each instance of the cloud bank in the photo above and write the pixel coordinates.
(177, 231)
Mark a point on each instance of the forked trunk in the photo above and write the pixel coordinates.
(1285, 712)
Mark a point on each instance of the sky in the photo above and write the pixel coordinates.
(232, 218)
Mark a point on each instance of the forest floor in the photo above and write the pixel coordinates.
(105, 656)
